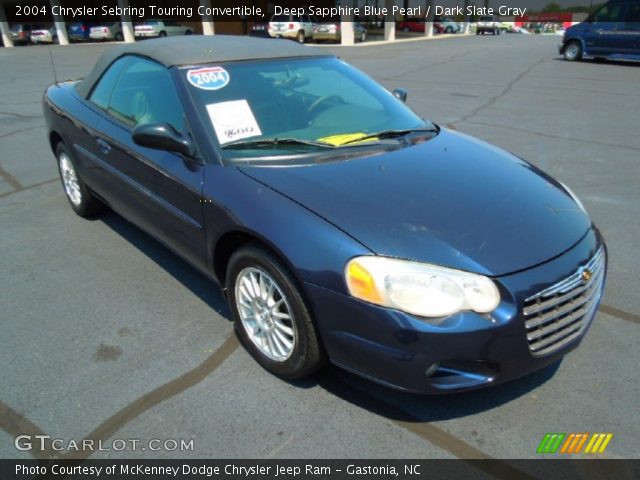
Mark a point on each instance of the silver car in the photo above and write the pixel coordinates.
(332, 31)
(109, 31)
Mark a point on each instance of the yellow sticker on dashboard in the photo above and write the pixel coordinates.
(342, 138)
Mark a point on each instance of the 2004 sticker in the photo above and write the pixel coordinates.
(208, 78)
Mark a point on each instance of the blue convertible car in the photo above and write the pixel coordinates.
(341, 226)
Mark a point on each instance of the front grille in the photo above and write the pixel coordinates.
(559, 314)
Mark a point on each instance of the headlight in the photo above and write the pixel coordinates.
(419, 288)
(575, 197)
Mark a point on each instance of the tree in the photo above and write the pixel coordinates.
(552, 7)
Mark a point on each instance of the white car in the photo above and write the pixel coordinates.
(488, 24)
(160, 28)
(44, 35)
(298, 27)
(111, 31)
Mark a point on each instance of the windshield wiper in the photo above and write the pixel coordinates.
(391, 134)
(267, 142)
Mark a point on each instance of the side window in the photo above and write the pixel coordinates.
(101, 93)
(608, 13)
(145, 93)
(632, 21)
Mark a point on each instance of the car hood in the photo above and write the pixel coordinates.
(453, 201)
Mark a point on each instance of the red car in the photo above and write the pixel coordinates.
(416, 25)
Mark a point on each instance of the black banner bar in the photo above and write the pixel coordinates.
(573, 469)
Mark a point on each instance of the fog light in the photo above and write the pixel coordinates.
(432, 369)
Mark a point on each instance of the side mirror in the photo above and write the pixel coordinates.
(162, 136)
(400, 94)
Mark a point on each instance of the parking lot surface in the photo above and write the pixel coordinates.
(107, 335)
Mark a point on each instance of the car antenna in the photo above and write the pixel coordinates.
(53, 66)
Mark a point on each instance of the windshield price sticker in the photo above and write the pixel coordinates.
(233, 120)
(208, 78)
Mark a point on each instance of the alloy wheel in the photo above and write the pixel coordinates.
(265, 314)
(70, 180)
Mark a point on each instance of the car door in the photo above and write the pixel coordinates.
(160, 191)
(170, 28)
(602, 36)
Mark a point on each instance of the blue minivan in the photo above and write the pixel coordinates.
(611, 32)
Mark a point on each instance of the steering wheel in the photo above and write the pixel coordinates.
(327, 98)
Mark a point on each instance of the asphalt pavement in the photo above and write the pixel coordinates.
(107, 335)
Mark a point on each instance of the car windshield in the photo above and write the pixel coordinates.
(282, 107)
(280, 18)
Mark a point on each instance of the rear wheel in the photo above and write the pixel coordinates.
(187, 32)
(300, 37)
(162, 34)
(119, 37)
(406, 29)
(363, 36)
(448, 30)
(270, 314)
(80, 199)
(572, 51)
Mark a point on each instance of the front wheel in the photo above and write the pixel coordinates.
(270, 314)
(300, 37)
(572, 51)
(119, 37)
(80, 199)
(363, 36)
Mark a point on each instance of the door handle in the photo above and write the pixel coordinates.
(103, 145)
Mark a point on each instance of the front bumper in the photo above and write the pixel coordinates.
(463, 352)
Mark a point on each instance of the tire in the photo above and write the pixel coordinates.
(363, 36)
(286, 345)
(162, 34)
(406, 29)
(187, 32)
(448, 30)
(54, 40)
(572, 51)
(300, 38)
(119, 37)
(77, 193)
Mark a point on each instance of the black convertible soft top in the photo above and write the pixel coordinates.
(199, 49)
